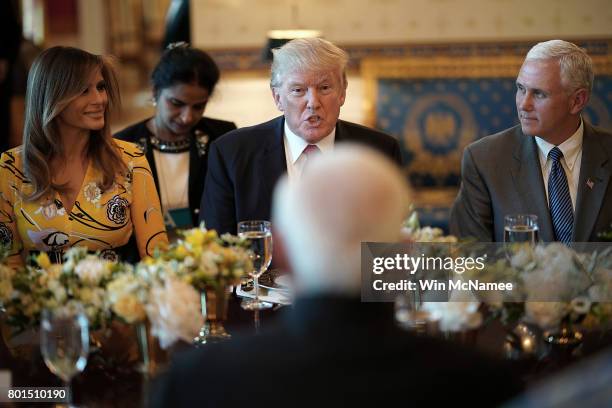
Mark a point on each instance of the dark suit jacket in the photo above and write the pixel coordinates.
(331, 351)
(501, 175)
(198, 155)
(245, 165)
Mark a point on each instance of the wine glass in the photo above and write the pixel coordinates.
(64, 343)
(259, 234)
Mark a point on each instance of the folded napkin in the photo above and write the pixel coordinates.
(267, 295)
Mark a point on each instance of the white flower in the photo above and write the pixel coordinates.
(429, 234)
(189, 262)
(581, 305)
(92, 193)
(72, 256)
(555, 275)
(453, 315)
(174, 312)
(412, 222)
(127, 295)
(130, 308)
(208, 264)
(58, 291)
(92, 269)
(522, 258)
(547, 315)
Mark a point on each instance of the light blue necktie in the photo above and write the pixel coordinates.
(559, 199)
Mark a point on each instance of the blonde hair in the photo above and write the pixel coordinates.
(575, 64)
(312, 54)
(57, 77)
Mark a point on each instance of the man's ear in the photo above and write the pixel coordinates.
(578, 100)
(277, 99)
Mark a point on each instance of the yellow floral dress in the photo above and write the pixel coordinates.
(100, 221)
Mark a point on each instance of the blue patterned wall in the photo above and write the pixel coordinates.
(434, 119)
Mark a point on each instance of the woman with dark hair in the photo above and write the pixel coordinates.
(71, 183)
(176, 139)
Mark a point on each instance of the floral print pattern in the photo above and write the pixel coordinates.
(117, 210)
(92, 193)
(51, 210)
(6, 236)
(99, 220)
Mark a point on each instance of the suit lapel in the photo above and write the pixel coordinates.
(341, 133)
(527, 175)
(273, 162)
(196, 171)
(592, 184)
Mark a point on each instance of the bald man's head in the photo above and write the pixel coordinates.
(350, 196)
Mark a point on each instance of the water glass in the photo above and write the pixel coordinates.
(521, 228)
(64, 342)
(259, 234)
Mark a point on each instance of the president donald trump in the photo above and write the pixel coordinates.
(308, 83)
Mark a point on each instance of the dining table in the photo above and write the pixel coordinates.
(118, 381)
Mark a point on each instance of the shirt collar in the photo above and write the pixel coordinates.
(570, 148)
(297, 144)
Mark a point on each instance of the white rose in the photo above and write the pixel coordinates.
(92, 269)
(454, 316)
(174, 312)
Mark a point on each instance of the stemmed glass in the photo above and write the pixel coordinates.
(64, 343)
(520, 230)
(259, 233)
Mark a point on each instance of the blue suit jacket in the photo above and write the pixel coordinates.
(245, 164)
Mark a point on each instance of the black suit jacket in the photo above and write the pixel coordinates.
(245, 165)
(198, 155)
(331, 351)
(501, 175)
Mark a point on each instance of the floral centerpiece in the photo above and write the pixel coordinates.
(456, 315)
(556, 285)
(166, 289)
(203, 259)
(411, 230)
(81, 279)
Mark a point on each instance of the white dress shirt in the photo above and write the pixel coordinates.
(295, 145)
(572, 158)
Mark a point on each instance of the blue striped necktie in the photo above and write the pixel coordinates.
(559, 199)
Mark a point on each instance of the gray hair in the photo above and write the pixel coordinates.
(576, 65)
(350, 196)
(312, 54)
